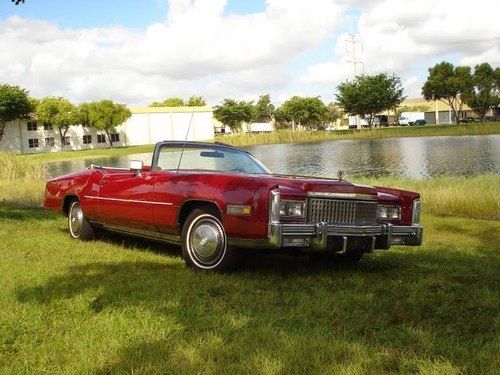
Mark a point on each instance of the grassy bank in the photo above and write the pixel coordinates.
(47, 157)
(288, 136)
(22, 181)
(474, 197)
(124, 306)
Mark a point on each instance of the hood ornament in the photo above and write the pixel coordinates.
(340, 174)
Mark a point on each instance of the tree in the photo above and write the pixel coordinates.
(264, 109)
(447, 83)
(484, 92)
(57, 112)
(103, 116)
(309, 112)
(169, 102)
(233, 113)
(334, 112)
(87, 113)
(15, 103)
(367, 96)
(196, 101)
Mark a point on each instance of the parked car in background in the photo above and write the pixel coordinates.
(419, 122)
(491, 118)
(468, 120)
(363, 122)
(215, 200)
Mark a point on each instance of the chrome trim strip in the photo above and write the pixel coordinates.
(142, 233)
(250, 243)
(322, 194)
(344, 245)
(127, 200)
(101, 167)
(415, 215)
(372, 247)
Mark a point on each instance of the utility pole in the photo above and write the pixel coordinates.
(355, 41)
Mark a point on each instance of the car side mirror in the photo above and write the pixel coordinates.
(136, 166)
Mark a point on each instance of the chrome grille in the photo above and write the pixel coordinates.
(341, 211)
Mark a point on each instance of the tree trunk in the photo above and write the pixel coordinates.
(61, 138)
(2, 128)
(396, 116)
(109, 139)
(451, 103)
(460, 104)
(484, 109)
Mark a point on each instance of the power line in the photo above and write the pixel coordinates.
(355, 41)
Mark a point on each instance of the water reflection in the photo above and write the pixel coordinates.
(401, 157)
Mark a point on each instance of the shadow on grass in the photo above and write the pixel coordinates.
(287, 312)
(134, 243)
(488, 234)
(283, 313)
(13, 211)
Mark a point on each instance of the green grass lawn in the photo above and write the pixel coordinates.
(123, 305)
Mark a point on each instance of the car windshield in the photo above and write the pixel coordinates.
(209, 159)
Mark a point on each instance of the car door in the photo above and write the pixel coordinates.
(167, 195)
(124, 199)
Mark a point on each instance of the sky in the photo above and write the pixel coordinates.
(137, 52)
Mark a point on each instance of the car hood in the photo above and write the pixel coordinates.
(303, 185)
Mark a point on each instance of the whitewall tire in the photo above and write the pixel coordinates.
(204, 242)
(78, 225)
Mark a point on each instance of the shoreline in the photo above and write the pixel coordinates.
(283, 137)
(288, 136)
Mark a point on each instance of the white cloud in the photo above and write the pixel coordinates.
(200, 49)
(197, 42)
(405, 36)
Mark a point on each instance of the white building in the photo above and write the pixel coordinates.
(259, 127)
(147, 125)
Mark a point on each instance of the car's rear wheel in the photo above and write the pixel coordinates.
(78, 225)
(204, 242)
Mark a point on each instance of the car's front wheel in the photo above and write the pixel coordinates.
(204, 242)
(78, 225)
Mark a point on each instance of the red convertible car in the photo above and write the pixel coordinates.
(216, 200)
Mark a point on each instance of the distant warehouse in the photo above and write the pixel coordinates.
(147, 125)
(433, 112)
(437, 112)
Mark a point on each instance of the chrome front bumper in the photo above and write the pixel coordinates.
(316, 236)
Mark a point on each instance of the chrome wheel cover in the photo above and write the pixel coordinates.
(206, 241)
(75, 219)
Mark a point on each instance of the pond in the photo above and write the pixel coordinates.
(424, 157)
